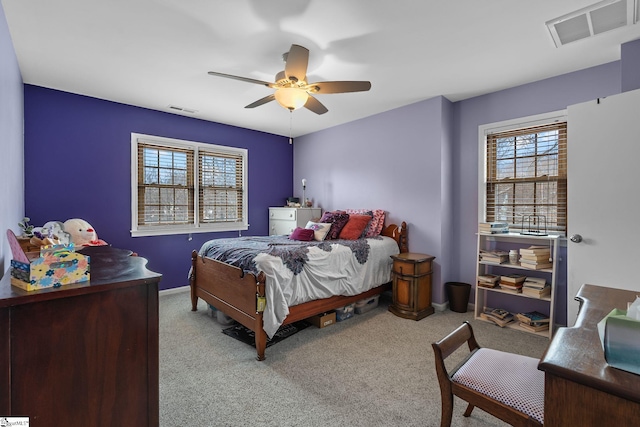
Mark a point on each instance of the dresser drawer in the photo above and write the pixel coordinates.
(409, 264)
(283, 213)
(280, 227)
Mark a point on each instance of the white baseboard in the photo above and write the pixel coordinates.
(445, 306)
(174, 290)
(440, 307)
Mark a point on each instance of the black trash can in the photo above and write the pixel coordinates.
(458, 294)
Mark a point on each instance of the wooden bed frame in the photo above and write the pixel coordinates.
(235, 293)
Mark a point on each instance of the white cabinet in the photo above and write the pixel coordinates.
(486, 297)
(285, 220)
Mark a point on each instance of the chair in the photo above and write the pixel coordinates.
(507, 386)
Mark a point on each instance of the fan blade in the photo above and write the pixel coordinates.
(261, 101)
(339, 87)
(243, 79)
(315, 105)
(297, 61)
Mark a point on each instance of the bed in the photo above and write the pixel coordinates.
(248, 287)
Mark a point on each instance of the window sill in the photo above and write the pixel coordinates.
(187, 230)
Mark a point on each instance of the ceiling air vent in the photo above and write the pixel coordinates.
(186, 110)
(592, 20)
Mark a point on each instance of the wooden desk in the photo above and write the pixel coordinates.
(580, 388)
(84, 354)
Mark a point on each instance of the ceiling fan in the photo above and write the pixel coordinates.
(291, 88)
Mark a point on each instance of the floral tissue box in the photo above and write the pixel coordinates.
(52, 268)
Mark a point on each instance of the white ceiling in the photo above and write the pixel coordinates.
(156, 53)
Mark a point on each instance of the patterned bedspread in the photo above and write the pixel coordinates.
(298, 272)
(241, 251)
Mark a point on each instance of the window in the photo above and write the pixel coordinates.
(525, 182)
(186, 187)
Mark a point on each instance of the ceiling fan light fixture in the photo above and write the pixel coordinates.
(291, 98)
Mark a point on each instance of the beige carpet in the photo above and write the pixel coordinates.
(375, 369)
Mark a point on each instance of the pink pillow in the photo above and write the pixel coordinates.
(302, 234)
(377, 222)
(355, 227)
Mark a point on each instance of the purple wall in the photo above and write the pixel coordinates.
(391, 161)
(535, 98)
(630, 60)
(420, 163)
(78, 157)
(11, 143)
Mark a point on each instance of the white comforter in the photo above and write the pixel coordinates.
(327, 273)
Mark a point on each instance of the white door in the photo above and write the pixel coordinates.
(603, 195)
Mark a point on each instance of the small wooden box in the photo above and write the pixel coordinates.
(25, 244)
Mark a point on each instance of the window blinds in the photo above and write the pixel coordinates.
(526, 177)
(220, 192)
(165, 185)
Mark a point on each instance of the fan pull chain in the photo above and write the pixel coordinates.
(290, 126)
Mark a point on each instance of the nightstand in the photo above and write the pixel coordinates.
(412, 285)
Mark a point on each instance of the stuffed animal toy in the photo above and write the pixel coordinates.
(82, 233)
(52, 233)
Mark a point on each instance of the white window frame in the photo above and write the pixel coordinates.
(504, 126)
(196, 227)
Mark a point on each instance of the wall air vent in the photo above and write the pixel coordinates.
(592, 20)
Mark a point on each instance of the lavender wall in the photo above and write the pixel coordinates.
(630, 60)
(420, 163)
(11, 142)
(77, 152)
(536, 98)
(391, 161)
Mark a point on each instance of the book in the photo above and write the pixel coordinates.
(535, 262)
(488, 278)
(534, 328)
(511, 289)
(498, 316)
(487, 284)
(532, 317)
(493, 227)
(535, 250)
(513, 278)
(536, 292)
(497, 256)
(538, 266)
(499, 312)
(510, 285)
(535, 257)
(535, 282)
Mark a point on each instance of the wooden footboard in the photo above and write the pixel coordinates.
(230, 290)
(236, 293)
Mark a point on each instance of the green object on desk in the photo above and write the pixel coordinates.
(620, 337)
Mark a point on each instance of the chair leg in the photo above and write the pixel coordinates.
(447, 411)
(469, 409)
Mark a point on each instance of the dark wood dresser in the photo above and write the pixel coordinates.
(580, 388)
(83, 354)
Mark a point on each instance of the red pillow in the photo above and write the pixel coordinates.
(354, 228)
(302, 234)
